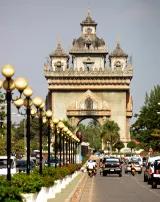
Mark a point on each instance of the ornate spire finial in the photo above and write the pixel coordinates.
(59, 50)
(89, 13)
(118, 51)
(58, 40)
(118, 39)
(88, 20)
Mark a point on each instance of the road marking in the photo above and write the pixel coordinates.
(91, 190)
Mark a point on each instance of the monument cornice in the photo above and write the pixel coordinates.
(101, 73)
(77, 83)
(77, 113)
(86, 87)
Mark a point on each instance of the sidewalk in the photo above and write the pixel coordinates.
(72, 191)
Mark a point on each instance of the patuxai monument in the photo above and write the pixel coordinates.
(89, 81)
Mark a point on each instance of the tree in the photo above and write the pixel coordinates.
(131, 145)
(119, 145)
(2, 145)
(110, 133)
(148, 121)
(20, 133)
(91, 133)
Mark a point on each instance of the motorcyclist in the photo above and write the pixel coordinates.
(100, 166)
(91, 165)
(95, 166)
(132, 168)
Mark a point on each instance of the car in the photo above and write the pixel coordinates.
(148, 172)
(112, 166)
(155, 178)
(22, 165)
(149, 168)
(53, 161)
(137, 166)
(137, 159)
(3, 165)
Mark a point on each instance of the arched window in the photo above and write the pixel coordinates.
(89, 103)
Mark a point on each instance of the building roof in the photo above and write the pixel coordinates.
(88, 21)
(59, 52)
(118, 52)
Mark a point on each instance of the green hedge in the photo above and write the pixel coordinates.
(23, 183)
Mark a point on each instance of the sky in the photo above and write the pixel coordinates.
(30, 29)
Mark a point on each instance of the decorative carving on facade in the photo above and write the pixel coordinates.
(128, 71)
(89, 104)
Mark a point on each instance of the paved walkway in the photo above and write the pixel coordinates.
(72, 191)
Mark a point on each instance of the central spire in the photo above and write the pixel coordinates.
(88, 20)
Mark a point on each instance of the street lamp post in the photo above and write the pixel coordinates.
(60, 127)
(63, 139)
(65, 129)
(80, 138)
(55, 122)
(27, 102)
(39, 105)
(76, 144)
(158, 111)
(40, 141)
(9, 84)
(72, 150)
(69, 149)
(66, 147)
(49, 116)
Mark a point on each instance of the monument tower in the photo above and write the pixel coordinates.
(89, 82)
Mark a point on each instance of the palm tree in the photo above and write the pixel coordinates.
(119, 145)
(110, 133)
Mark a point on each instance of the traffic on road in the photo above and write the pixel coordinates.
(114, 181)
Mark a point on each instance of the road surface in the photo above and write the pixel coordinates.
(113, 188)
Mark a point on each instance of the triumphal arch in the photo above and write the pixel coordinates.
(90, 82)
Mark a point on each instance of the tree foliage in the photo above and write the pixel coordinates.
(20, 136)
(2, 145)
(131, 145)
(91, 133)
(146, 127)
(119, 145)
(110, 133)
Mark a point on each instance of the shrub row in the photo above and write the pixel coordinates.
(23, 183)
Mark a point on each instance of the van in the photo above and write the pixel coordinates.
(3, 165)
(149, 169)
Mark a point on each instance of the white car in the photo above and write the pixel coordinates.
(3, 165)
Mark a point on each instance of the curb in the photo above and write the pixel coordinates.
(77, 191)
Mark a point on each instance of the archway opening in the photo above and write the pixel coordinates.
(91, 133)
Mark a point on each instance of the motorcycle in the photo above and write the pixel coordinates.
(133, 171)
(91, 172)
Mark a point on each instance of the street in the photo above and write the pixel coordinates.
(113, 188)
